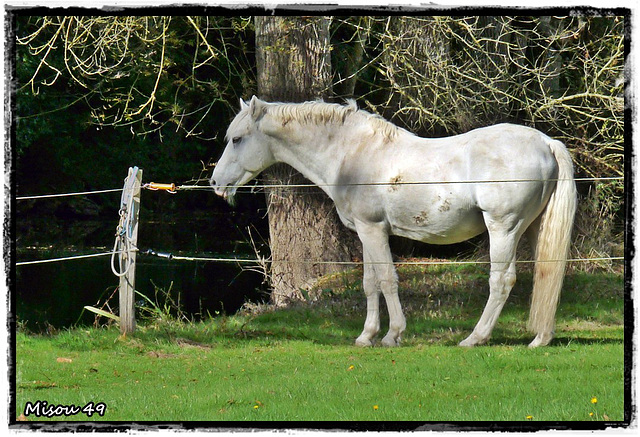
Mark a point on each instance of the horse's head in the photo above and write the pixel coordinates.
(247, 152)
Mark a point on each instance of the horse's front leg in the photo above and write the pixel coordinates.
(379, 275)
(389, 286)
(372, 291)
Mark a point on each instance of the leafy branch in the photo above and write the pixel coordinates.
(138, 71)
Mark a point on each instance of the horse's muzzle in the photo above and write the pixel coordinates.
(225, 192)
(219, 190)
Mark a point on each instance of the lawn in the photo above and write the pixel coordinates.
(299, 364)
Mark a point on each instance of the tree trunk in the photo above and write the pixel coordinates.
(306, 235)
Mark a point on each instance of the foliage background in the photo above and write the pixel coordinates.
(96, 94)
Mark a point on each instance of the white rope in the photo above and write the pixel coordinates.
(124, 232)
(257, 261)
(123, 238)
(79, 193)
(206, 259)
(121, 242)
(394, 183)
(271, 186)
(66, 258)
(266, 261)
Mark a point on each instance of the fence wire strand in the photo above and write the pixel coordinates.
(272, 186)
(65, 258)
(359, 263)
(393, 183)
(79, 193)
(401, 262)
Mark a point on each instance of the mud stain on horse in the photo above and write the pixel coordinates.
(421, 219)
(395, 183)
(446, 206)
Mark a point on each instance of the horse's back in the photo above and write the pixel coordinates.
(510, 145)
(440, 190)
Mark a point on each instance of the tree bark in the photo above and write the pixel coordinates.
(307, 239)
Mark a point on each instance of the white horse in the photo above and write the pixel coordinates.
(506, 179)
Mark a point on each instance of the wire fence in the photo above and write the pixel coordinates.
(356, 263)
(67, 258)
(78, 193)
(172, 188)
(257, 261)
(393, 183)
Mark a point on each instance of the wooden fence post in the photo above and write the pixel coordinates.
(130, 207)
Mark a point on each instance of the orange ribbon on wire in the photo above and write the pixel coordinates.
(154, 186)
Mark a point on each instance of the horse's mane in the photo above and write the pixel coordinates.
(330, 113)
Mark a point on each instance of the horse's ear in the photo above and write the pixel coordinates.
(256, 107)
(243, 104)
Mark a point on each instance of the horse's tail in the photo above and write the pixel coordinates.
(554, 238)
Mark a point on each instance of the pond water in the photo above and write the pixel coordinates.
(54, 294)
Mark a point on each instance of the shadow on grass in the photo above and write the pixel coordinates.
(323, 328)
(441, 305)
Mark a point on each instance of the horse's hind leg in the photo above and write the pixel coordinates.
(532, 233)
(501, 280)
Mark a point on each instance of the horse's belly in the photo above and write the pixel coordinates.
(438, 225)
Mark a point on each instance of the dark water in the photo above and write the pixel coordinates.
(54, 294)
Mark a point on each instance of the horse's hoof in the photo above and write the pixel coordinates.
(466, 343)
(541, 339)
(390, 342)
(363, 342)
(472, 341)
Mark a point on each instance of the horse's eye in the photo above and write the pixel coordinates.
(236, 140)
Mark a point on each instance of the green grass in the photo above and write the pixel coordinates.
(298, 364)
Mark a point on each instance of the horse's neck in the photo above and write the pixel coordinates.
(314, 154)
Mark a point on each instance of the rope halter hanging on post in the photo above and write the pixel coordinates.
(123, 245)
